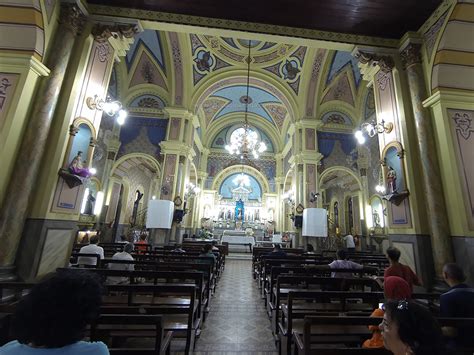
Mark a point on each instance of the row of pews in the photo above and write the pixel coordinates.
(165, 298)
(314, 313)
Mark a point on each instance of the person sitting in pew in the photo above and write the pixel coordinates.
(92, 248)
(277, 251)
(398, 269)
(123, 255)
(457, 302)
(309, 250)
(53, 317)
(141, 247)
(395, 288)
(207, 252)
(178, 249)
(410, 329)
(343, 263)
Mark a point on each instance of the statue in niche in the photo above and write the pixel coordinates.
(376, 218)
(229, 214)
(221, 214)
(76, 166)
(138, 197)
(257, 214)
(89, 208)
(391, 180)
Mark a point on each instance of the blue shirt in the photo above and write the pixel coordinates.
(78, 348)
(459, 302)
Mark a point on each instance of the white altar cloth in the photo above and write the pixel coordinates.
(237, 239)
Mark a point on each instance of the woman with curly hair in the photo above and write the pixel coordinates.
(52, 318)
(410, 329)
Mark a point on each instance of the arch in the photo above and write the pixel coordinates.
(81, 120)
(452, 65)
(145, 89)
(397, 145)
(261, 179)
(340, 168)
(341, 107)
(147, 157)
(235, 118)
(239, 77)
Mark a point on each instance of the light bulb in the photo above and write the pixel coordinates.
(122, 115)
(93, 171)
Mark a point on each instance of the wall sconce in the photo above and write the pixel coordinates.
(314, 197)
(111, 108)
(289, 198)
(380, 189)
(371, 129)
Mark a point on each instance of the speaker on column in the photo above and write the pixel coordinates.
(298, 221)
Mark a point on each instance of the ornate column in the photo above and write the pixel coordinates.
(25, 172)
(437, 215)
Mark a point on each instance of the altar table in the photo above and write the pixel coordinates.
(238, 239)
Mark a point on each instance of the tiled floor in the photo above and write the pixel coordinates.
(237, 322)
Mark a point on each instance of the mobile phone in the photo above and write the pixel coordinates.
(381, 305)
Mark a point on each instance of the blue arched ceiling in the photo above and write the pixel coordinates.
(151, 40)
(233, 95)
(339, 62)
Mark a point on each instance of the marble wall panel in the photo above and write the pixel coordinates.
(55, 251)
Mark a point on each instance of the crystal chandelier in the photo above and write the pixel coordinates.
(244, 141)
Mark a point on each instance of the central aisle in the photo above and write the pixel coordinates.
(237, 322)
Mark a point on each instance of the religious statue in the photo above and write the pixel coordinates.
(76, 166)
(229, 214)
(89, 208)
(392, 180)
(138, 197)
(221, 214)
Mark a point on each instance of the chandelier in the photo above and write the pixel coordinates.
(371, 129)
(245, 141)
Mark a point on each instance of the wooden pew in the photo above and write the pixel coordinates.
(135, 277)
(292, 283)
(176, 303)
(148, 265)
(126, 326)
(73, 260)
(5, 320)
(319, 330)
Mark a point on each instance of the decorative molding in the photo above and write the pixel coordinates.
(385, 63)
(241, 25)
(411, 55)
(72, 18)
(103, 32)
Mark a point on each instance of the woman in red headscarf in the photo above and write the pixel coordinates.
(395, 288)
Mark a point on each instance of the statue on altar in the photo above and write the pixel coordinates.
(239, 210)
(76, 166)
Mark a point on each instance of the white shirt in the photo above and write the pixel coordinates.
(349, 239)
(90, 249)
(113, 266)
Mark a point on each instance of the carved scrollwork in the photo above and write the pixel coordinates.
(103, 32)
(385, 63)
(411, 55)
(72, 18)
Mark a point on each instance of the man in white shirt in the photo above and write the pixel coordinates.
(350, 245)
(124, 255)
(343, 263)
(92, 248)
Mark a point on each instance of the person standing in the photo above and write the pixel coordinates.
(398, 269)
(457, 302)
(92, 248)
(350, 245)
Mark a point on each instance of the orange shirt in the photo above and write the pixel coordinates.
(377, 339)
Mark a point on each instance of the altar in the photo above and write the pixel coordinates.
(235, 237)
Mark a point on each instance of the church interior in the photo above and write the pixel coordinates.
(241, 119)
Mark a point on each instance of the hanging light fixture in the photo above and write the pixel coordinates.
(244, 141)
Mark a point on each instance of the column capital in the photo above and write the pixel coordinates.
(411, 54)
(72, 17)
(73, 130)
(113, 145)
(102, 32)
(92, 142)
(179, 112)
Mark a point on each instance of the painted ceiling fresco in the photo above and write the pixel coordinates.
(279, 78)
